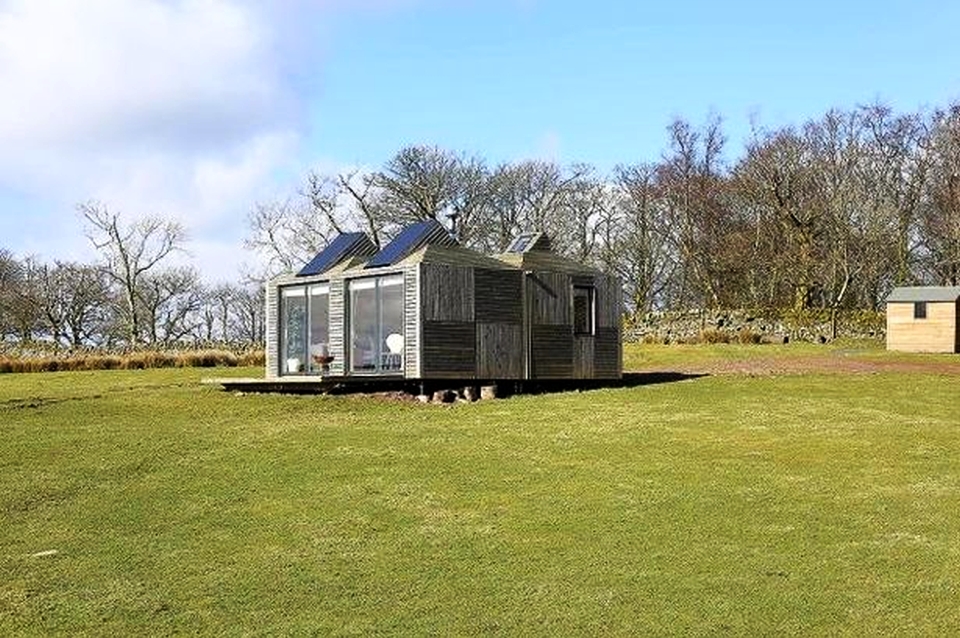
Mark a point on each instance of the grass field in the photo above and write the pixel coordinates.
(814, 503)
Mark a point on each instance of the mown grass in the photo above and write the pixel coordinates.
(796, 504)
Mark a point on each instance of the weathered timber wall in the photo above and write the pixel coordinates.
(446, 293)
(499, 351)
(449, 349)
(607, 354)
(337, 328)
(411, 322)
(272, 332)
(552, 351)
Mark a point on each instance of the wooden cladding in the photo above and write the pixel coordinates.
(498, 296)
(551, 349)
(609, 302)
(449, 349)
(583, 356)
(446, 293)
(411, 323)
(337, 327)
(550, 297)
(607, 354)
(937, 331)
(272, 332)
(499, 351)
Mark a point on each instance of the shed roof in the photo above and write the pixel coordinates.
(454, 256)
(924, 293)
(543, 260)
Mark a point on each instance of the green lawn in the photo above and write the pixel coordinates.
(814, 504)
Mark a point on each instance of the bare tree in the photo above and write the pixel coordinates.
(10, 277)
(248, 320)
(419, 182)
(528, 196)
(941, 213)
(171, 301)
(362, 200)
(131, 251)
(894, 175)
(286, 234)
(636, 246)
(20, 310)
(692, 182)
(576, 223)
(73, 300)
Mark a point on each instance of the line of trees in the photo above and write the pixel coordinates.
(829, 214)
(132, 297)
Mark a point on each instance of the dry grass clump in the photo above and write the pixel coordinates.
(136, 360)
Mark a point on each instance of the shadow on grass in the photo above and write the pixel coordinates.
(454, 387)
(628, 380)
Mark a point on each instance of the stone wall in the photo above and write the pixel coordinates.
(752, 327)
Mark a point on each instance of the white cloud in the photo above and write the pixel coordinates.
(98, 73)
(176, 107)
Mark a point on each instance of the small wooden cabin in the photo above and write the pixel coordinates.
(924, 319)
(424, 307)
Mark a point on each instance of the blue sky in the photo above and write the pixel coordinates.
(196, 109)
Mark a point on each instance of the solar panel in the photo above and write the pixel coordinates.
(523, 242)
(414, 236)
(343, 246)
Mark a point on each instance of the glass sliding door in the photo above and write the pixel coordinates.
(391, 323)
(293, 330)
(376, 324)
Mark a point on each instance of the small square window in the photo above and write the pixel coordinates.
(584, 302)
(919, 309)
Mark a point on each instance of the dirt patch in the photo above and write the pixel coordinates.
(839, 362)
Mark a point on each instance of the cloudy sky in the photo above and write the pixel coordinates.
(197, 109)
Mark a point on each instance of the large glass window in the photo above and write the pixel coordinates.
(293, 321)
(305, 329)
(363, 325)
(376, 324)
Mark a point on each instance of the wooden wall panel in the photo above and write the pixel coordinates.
(551, 350)
(411, 323)
(499, 351)
(338, 327)
(449, 350)
(607, 354)
(446, 293)
(936, 333)
(498, 296)
(583, 353)
(272, 332)
(551, 298)
(609, 302)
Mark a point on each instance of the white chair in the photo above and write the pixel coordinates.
(393, 360)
